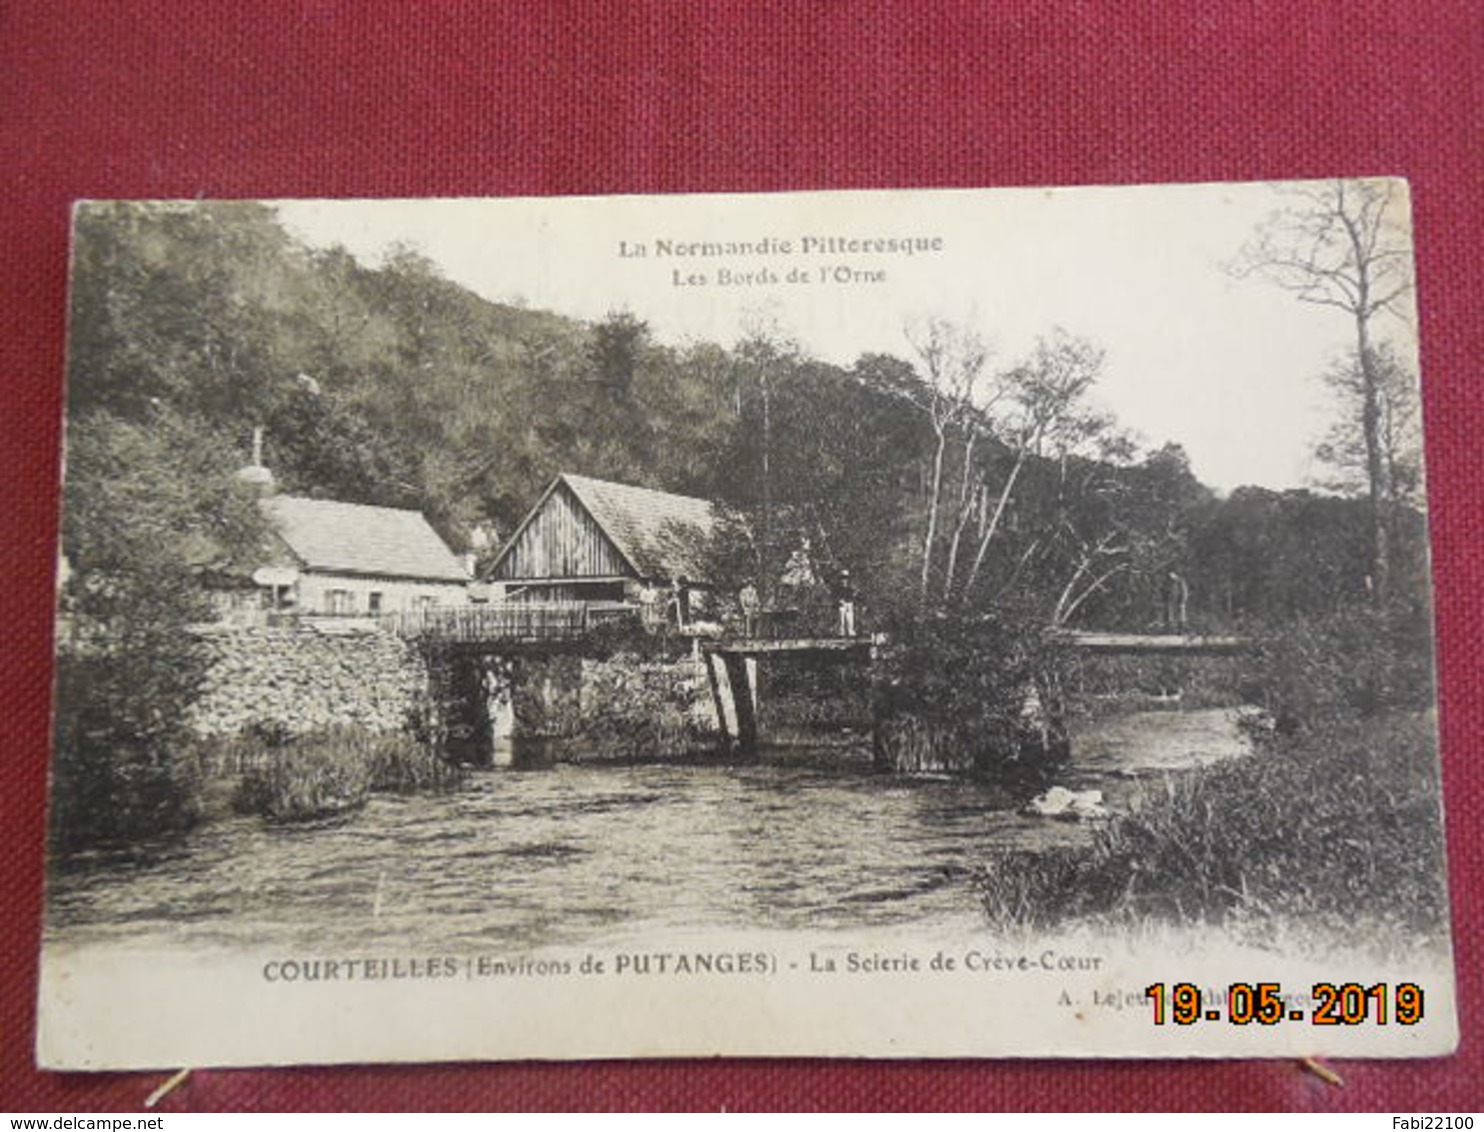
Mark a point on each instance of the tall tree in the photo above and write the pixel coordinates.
(1399, 430)
(179, 304)
(616, 344)
(1346, 244)
(952, 358)
(150, 516)
(766, 358)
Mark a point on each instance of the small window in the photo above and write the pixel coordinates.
(373, 602)
(339, 601)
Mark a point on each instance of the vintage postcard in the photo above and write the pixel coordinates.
(860, 624)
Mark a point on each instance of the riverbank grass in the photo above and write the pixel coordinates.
(1323, 836)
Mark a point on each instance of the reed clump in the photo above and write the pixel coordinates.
(1317, 833)
(402, 765)
(333, 772)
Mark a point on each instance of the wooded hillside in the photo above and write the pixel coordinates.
(933, 477)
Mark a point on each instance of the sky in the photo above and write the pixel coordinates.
(1227, 367)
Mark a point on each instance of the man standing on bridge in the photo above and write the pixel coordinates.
(680, 602)
(845, 595)
(1176, 598)
(748, 600)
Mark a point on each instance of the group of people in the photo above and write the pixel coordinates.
(845, 597)
(676, 608)
(673, 606)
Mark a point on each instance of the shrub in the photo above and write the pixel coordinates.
(639, 709)
(1357, 663)
(980, 691)
(628, 636)
(124, 768)
(808, 698)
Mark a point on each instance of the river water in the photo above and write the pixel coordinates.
(799, 839)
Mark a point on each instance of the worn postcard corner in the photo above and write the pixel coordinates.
(870, 624)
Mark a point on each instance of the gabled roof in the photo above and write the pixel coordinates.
(662, 535)
(351, 538)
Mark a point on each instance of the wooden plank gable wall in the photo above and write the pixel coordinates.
(562, 541)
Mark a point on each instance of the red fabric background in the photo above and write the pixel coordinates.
(327, 98)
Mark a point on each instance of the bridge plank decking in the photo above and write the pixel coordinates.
(1154, 643)
(788, 646)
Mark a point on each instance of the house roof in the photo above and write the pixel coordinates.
(660, 535)
(351, 538)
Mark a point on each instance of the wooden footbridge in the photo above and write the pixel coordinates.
(731, 662)
(731, 667)
(568, 622)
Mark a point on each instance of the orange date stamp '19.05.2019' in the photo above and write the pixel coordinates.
(1267, 1004)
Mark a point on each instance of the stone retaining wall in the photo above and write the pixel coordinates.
(302, 679)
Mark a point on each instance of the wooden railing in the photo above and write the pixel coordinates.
(507, 622)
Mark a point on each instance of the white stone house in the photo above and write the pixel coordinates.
(353, 560)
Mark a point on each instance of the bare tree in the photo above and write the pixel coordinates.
(1041, 414)
(766, 350)
(952, 358)
(1346, 244)
(1097, 564)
